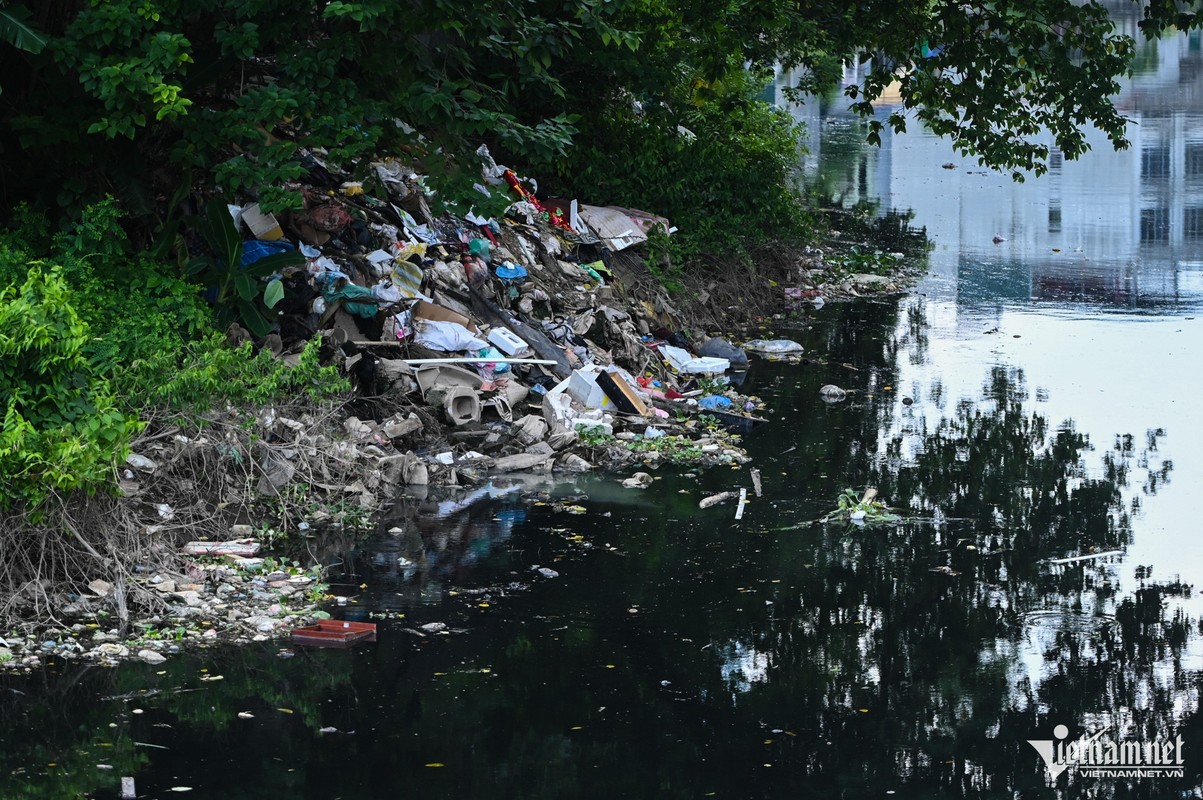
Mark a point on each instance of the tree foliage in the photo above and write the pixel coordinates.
(132, 96)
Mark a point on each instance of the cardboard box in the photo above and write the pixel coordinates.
(424, 310)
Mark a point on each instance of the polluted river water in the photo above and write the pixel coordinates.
(1039, 587)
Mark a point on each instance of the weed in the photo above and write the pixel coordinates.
(861, 510)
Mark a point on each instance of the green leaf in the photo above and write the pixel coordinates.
(274, 293)
(219, 231)
(245, 285)
(276, 262)
(254, 319)
(18, 33)
(197, 265)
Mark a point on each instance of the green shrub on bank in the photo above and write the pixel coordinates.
(152, 335)
(210, 374)
(718, 162)
(135, 308)
(62, 429)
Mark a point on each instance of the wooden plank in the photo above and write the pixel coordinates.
(621, 393)
(476, 360)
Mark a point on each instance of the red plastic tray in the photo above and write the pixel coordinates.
(334, 633)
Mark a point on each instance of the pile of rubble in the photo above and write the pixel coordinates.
(235, 596)
(526, 336)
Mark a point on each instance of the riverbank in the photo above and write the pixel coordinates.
(629, 382)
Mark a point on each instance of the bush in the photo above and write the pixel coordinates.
(134, 307)
(62, 428)
(208, 374)
(722, 170)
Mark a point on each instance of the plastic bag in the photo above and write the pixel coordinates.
(779, 347)
(715, 402)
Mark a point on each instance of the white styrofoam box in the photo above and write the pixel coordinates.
(583, 388)
(507, 341)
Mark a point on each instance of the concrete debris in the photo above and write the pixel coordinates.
(521, 461)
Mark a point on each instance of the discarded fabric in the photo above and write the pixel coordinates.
(447, 336)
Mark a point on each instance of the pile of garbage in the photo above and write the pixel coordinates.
(537, 339)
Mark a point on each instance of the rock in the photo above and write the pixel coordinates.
(166, 587)
(541, 449)
(276, 576)
(241, 531)
(832, 393)
(225, 589)
(141, 463)
(262, 624)
(151, 657)
(112, 649)
(191, 599)
(434, 627)
(640, 480)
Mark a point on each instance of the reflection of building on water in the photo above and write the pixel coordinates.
(1120, 227)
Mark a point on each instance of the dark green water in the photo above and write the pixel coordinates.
(681, 653)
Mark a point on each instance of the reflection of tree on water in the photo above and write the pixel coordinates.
(946, 661)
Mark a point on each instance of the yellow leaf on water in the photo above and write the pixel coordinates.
(285, 710)
(435, 764)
